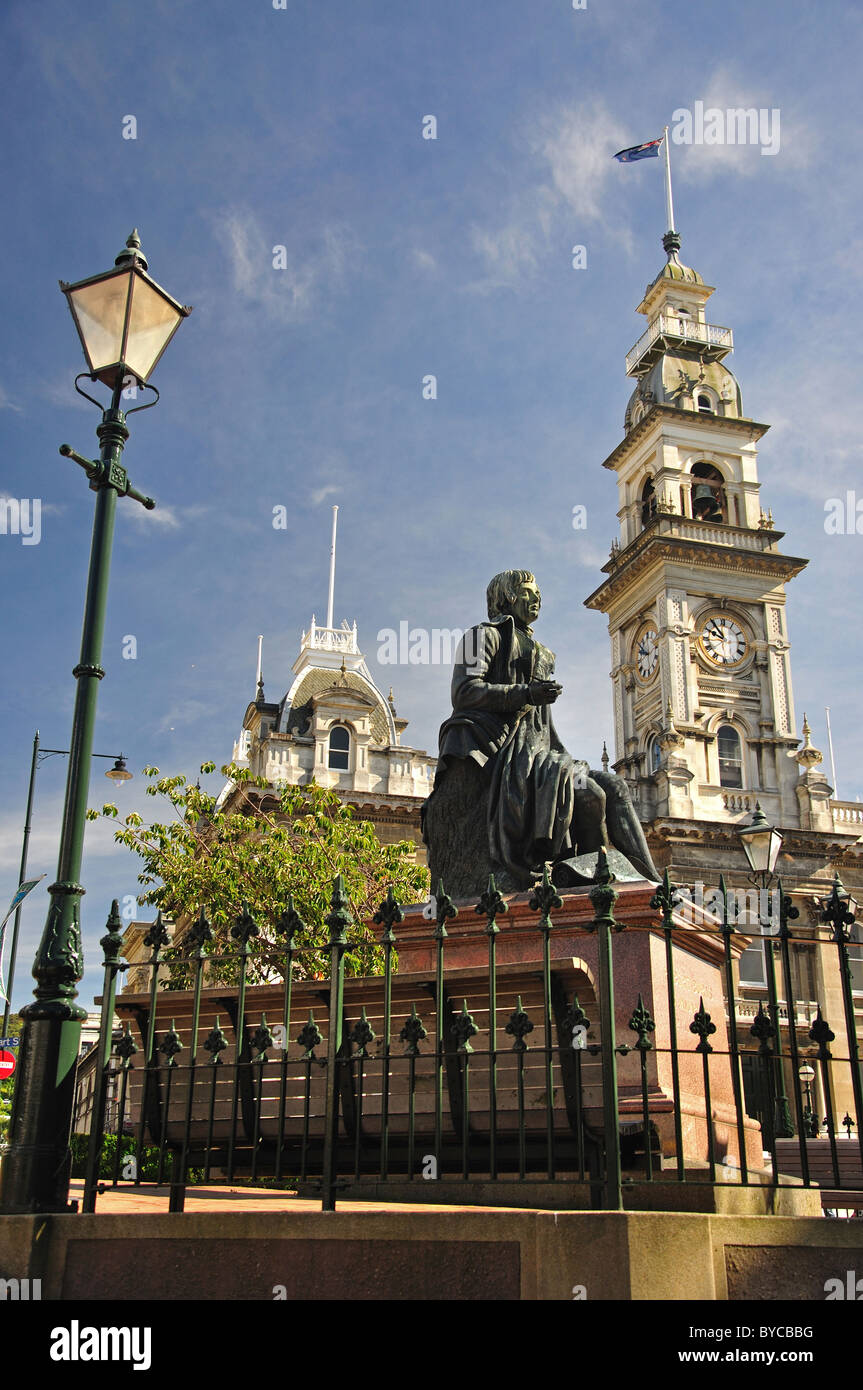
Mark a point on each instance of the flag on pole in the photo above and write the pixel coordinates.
(20, 894)
(649, 150)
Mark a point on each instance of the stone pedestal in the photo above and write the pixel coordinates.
(640, 967)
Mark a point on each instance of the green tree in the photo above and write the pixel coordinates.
(221, 859)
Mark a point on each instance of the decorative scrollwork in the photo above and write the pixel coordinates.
(362, 1032)
(763, 1029)
(703, 1025)
(112, 941)
(245, 927)
(642, 1024)
(158, 935)
(463, 1029)
(445, 909)
(215, 1042)
(493, 905)
(518, 1027)
(126, 1047)
(413, 1033)
(338, 919)
(200, 934)
(822, 1034)
(665, 900)
(545, 897)
(290, 923)
(170, 1044)
(309, 1037)
(389, 915)
(262, 1038)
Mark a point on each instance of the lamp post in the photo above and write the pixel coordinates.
(125, 321)
(761, 844)
(839, 911)
(118, 773)
(807, 1076)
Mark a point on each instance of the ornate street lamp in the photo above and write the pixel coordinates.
(761, 844)
(807, 1076)
(125, 321)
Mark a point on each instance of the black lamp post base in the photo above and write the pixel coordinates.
(35, 1174)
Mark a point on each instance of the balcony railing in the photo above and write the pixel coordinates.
(331, 639)
(676, 329)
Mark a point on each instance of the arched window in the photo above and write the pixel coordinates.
(339, 748)
(753, 969)
(648, 501)
(654, 755)
(708, 493)
(704, 403)
(730, 757)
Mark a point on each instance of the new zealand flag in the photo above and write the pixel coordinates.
(649, 150)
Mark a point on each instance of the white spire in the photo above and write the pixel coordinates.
(332, 569)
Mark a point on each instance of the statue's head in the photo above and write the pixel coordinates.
(514, 592)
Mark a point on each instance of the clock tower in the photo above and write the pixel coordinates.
(695, 586)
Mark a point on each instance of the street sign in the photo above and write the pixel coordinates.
(9, 1042)
(7, 1065)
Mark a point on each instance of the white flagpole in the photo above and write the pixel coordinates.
(669, 206)
(835, 796)
(260, 655)
(332, 569)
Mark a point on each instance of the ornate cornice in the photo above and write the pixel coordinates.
(651, 547)
(752, 428)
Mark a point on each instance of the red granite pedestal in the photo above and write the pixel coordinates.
(640, 967)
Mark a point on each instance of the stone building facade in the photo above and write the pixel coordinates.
(695, 595)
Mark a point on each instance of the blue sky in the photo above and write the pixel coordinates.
(301, 387)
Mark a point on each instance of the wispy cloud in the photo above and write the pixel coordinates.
(577, 143)
(6, 404)
(571, 149)
(725, 91)
(282, 281)
(320, 494)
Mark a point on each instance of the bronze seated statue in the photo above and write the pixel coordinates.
(508, 798)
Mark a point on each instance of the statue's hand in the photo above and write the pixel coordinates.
(543, 692)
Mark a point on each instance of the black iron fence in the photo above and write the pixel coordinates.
(485, 1067)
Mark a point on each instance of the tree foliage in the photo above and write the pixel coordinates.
(224, 858)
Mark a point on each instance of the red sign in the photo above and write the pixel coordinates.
(7, 1065)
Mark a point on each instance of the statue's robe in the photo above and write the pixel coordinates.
(532, 777)
(543, 804)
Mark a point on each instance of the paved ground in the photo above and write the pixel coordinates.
(228, 1199)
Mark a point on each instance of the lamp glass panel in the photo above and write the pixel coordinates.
(100, 311)
(152, 320)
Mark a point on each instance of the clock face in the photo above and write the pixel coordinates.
(723, 640)
(647, 653)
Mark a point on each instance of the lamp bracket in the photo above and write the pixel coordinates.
(145, 386)
(85, 394)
